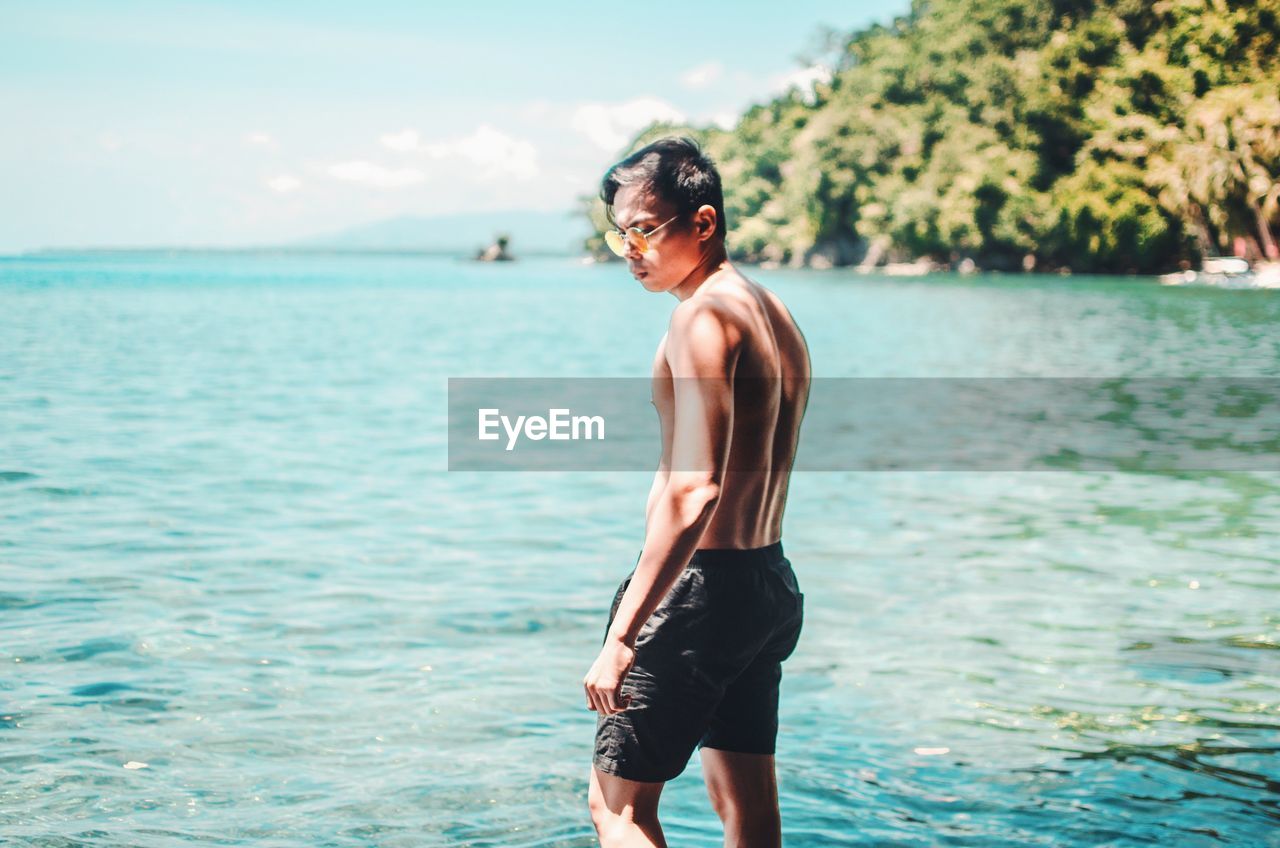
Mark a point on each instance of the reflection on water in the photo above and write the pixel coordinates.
(244, 604)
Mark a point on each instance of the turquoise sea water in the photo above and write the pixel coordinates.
(229, 551)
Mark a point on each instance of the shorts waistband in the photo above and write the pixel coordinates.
(738, 557)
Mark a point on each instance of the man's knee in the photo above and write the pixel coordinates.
(618, 833)
(732, 809)
(752, 828)
(725, 805)
(622, 828)
(596, 804)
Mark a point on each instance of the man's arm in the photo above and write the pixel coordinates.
(656, 489)
(660, 367)
(702, 351)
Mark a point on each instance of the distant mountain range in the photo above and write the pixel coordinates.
(529, 233)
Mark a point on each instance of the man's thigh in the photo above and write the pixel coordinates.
(740, 782)
(616, 795)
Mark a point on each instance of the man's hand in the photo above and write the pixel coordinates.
(603, 682)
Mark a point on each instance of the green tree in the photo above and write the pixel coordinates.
(1099, 134)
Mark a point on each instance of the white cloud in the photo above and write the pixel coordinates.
(284, 183)
(702, 75)
(261, 139)
(375, 176)
(403, 141)
(110, 141)
(534, 109)
(803, 79)
(611, 126)
(493, 153)
(725, 120)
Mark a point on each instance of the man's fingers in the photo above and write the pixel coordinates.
(617, 700)
(598, 698)
(605, 701)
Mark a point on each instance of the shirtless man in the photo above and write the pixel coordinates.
(698, 631)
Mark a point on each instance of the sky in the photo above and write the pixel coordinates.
(227, 123)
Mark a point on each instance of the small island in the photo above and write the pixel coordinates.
(496, 252)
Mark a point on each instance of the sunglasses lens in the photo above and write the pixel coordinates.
(614, 240)
(638, 239)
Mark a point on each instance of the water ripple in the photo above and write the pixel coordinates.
(243, 603)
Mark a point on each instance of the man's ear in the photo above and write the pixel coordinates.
(705, 220)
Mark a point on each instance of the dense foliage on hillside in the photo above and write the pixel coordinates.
(1099, 135)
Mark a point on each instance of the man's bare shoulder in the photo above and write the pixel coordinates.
(719, 302)
(776, 311)
(704, 340)
(706, 327)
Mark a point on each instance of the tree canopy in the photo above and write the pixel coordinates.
(1099, 135)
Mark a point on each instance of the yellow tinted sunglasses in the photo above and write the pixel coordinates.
(615, 238)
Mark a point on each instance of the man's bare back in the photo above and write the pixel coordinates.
(771, 389)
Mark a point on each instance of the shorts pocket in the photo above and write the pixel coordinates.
(798, 628)
(786, 635)
(783, 575)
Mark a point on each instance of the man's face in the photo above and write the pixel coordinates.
(674, 251)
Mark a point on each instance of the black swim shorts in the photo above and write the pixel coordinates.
(708, 664)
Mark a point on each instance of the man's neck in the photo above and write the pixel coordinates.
(713, 263)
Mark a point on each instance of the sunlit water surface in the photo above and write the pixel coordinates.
(244, 603)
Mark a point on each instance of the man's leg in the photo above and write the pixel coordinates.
(744, 793)
(625, 812)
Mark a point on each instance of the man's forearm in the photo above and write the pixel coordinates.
(679, 517)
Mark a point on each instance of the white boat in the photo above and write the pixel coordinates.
(1225, 265)
(1227, 272)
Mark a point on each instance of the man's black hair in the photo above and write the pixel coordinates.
(675, 170)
